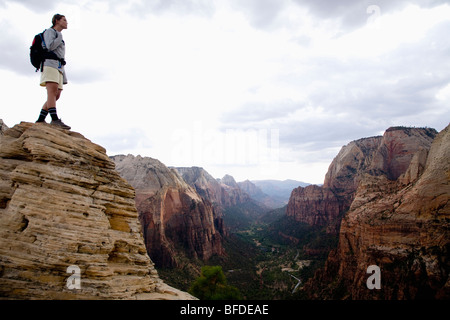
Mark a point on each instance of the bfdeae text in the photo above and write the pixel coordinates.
(228, 309)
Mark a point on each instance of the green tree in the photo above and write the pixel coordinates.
(212, 285)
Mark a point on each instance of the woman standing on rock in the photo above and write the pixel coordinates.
(53, 76)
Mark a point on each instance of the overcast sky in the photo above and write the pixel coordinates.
(259, 89)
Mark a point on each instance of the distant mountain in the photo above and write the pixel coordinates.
(232, 202)
(279, 191)
(258, 195)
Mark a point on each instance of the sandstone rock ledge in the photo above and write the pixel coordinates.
(63, 204)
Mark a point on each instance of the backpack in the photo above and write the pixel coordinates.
(39, 52)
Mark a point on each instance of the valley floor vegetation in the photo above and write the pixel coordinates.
(263, 259)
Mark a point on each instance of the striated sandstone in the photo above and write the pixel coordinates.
(400, 225)
(230, 201)
(205, 185)
(3, 127)
(61, 204)
(176, 220)
(233, 194)
(390, 155)
(313, 205)
(222, 193)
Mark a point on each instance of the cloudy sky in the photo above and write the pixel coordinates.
(259, 89)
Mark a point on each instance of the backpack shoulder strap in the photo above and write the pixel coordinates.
(42, 38)
(44, 45)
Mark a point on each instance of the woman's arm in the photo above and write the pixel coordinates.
(52, 39)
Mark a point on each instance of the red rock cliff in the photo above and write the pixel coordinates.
(389, 155)
(221, 193)
(401, 225)
(176, 221)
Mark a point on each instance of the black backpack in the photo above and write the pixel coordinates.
(39, 52)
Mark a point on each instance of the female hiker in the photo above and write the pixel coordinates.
(53, 75)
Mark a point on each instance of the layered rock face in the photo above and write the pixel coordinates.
(3, 127)
(64, 209)
(206, 186)
(235, 195)
(389, 155)
(222, 193)
(176, 220)
(313, 205)
(402, 226)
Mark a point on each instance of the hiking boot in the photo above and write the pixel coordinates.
(60, 124)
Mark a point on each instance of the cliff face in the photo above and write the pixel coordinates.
(221, 193)
(3, 127)
(234, 195)
(400, 225)
(313, 205)
(62, 204)
(230, 201)
(176, 220)
(206, 186)
(389, 155)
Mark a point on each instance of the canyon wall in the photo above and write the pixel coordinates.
(399, 220)
(176, 220)
(221, 193)
(389, 155)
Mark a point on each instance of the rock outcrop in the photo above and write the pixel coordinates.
(176, 220)
(314, 205)
(206, 186)
(222, 193)
(3, 127)
(63, 209)
(399, 220)
(389, 155)
(231, 202)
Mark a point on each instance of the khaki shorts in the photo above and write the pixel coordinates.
(51, 75)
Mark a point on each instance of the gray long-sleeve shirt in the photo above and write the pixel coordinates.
(54, 42)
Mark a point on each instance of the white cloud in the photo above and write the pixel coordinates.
(443, 95)
(173, 79)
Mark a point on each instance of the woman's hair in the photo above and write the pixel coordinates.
(57, 17)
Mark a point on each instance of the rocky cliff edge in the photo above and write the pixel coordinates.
(69, 227)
